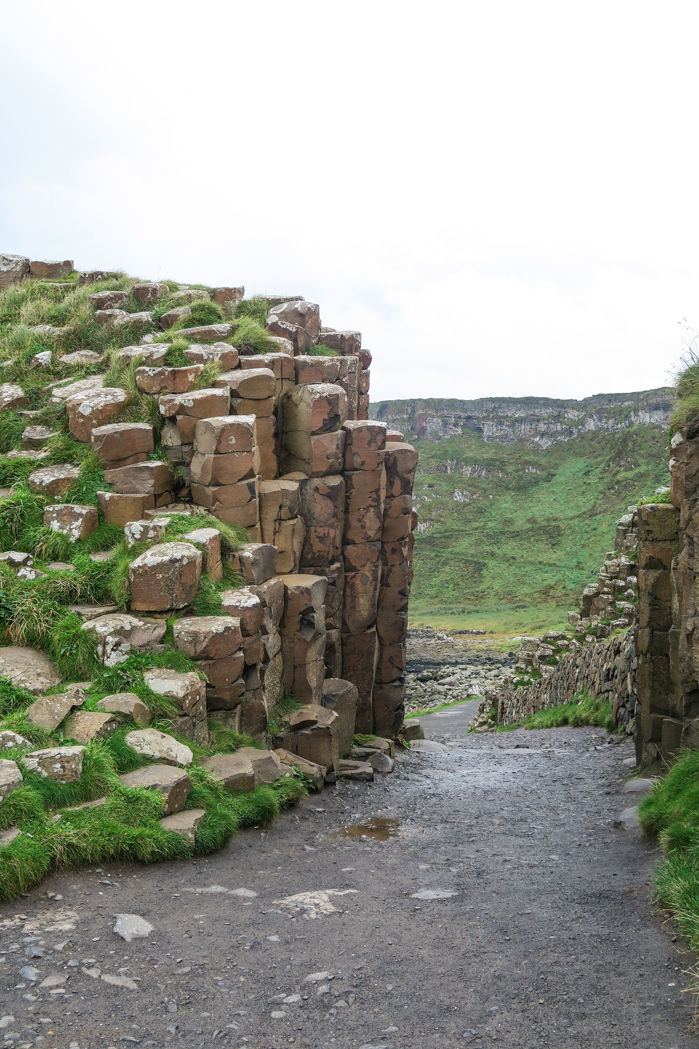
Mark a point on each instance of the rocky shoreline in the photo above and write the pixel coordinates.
(447, 668)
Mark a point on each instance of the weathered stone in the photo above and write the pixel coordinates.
(233, 770)
(190, 295)
(401, 463)
(63, 764)
(318, 742)
(356, 770)
(297, 321)
(35, 437)
(207, 332)
(13, 269)
(147, 478)
(265, 763)
(207, 637)
(361, 598)
(120, 634)
(229, 297)
(327, 453)
(187, 690)
(165, 576)
(149, 355)
(310, 369)
(227, 699)
(255, 384)
(389, 707)
(307, 410)
(309, 769)
(28, 669)
(223, 469)
(174, 316)
(197, 404)
(10, 777)
(109, 300)
(118, 441)
(245, 605)
(89, 410)
(345, 342)
(360, 654)
(9, 740)
(150, 292)
(64, 390)
(365, 444)
(50, 269)
(219, 352)
(256, 562)
(86, 725)
(412, 729)
(185, 823)
(167, 380)
(11, 397)
(127, 703)
(16, 559)
(173, 783)
(342, 698)
(121, 509)
(208, 540)
(225, 433)
(9, 835)
(153, 744)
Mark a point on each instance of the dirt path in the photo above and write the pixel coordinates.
(549, 938)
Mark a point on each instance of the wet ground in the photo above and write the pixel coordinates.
(482, 896)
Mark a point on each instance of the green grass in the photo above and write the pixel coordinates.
(321, 350)
(671, 812)
(256, 309)
(252, 336)
(582, 710)
(203, 313)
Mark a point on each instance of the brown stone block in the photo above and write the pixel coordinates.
(345, 342)
(93, 409)
(303, 594)
(364, 526)
(401, 463)
(360, 654)
(208, 540)
(77, 522)
(357, 556)
(271, 594)
(224, 672)
(121, 441)
(349, 381)
(173, 783)
(398, 506)
(197, 404)
(321, 501)
(289, 540)
(167, 380)
(223, 434)
(364, 489)
(165, 577)
(256, 562)
(316, 369)
(223, 469)
(119, 509)
(394, 553)
(298, 321)
(333, 653)
(389, 708)
(332, 605)
(280, 363)
(207, 637)
(319, 743)
(363, 403)
(253, 649)
(307, 410)
(321, 545)
(279, 501)
(226, 698)
(397, 578)
(413, 520)
(245, 606)
(396, 528)
(361, 599)
(242, 516)
(255, 384)
(341, 697)
(222, 497)
(327, 450)
(392, 659)
(234, 771)
(272, 681)
(364, 382)
(365, 445)
(220, 352)
(253, 714)
(391, 624)
(151, 478)
(657, 522)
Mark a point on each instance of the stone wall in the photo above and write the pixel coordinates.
(605, 670)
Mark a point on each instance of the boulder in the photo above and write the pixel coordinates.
(118, 441)
(109, 300)
(225, 433)
(356, 770)
(12, 397)
(190, 295)
(16, 559)
(207, 637)
(50, 269)
(146, 530)
(297, 321)
(207, 332)
(88, 410)
(174, 316)
(265, 763)
(127, 703)
(122, 509)
(235, 771)
(9, 740)
(185, 823)
(254, 384)
(187, 690)
(256, 562)
(228, 296)
(412, 729)
(29, 669)
(63, 764)
(80, 357)
(165, 577)
(129, 320)
(208, 540)
(10, 777)
(120, 634)
(146, 354)
(153, 744)
(54, 482)
(198, 404)
(317, 741)
(219, 352)
(149, 292)
(309, 769)
(245, 605)
(173, 783)
(13, 269)
(86, 725)
(35, 437)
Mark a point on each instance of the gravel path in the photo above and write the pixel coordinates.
(546, 935)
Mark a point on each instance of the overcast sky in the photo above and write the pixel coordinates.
(501, 196)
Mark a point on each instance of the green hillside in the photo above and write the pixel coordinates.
(511, 532)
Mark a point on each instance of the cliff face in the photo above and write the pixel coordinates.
(539, 421)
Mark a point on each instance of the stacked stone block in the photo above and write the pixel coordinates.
(181, 413)
(224, 468)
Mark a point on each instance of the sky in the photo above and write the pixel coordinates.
(502, 197)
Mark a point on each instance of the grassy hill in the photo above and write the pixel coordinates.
(511, 531)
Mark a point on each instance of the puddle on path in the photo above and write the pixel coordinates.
(379, 829)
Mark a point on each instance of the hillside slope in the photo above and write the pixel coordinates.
(518, 498)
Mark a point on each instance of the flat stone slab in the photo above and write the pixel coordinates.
(638, 786)
(185, 823)
(356, 770)
(86, 725)
(235, 771)
(9, 739)
(49, 711)
(132, 926)
(627, 819)
(266, 764)
(430, 746)
(27, 668)
(127, 703)
(173, 783)
(154, 744)
(316, 773)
